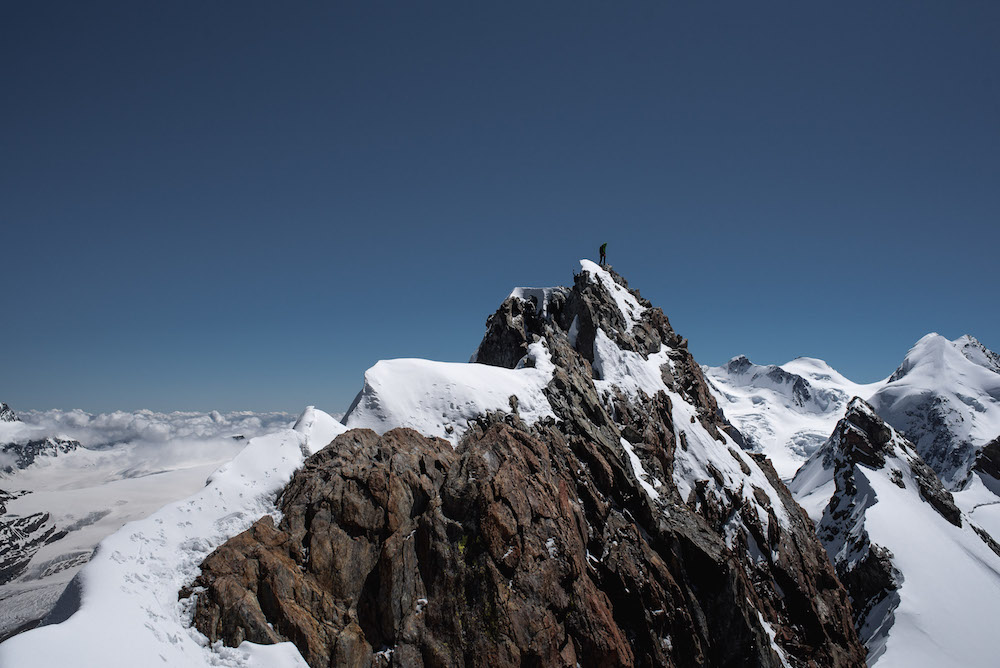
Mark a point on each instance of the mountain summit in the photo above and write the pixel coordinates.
(574, 497)
(945, 396)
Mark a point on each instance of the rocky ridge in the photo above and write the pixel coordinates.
(630, 529)
(874, 469)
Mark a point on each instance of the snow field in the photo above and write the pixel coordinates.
(129, 614)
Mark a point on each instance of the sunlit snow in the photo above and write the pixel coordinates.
(129, 614)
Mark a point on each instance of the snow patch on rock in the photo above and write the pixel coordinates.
(632, 373)
(627, 303)
(439, 398)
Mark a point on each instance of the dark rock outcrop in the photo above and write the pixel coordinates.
(866, 439)
(6, 414)
(873, 583)
(21, 537)
(493, 554)
(538, 545)
(24, 454)
(988, 459)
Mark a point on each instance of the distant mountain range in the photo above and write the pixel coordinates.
(945, 396)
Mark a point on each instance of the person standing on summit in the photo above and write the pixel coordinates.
(604, 249)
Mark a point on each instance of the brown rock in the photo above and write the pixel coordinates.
(534, 546)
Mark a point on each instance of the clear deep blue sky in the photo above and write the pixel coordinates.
(243, 205)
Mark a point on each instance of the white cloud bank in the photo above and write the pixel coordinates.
(95, 430)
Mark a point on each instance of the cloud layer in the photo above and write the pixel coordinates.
(147, 426)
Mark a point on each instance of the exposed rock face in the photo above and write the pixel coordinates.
(599, 538)
(24, 454)
(866, 439)
(785, 412)
(508, 331)
(21, 537)
(988, 459)
(6, 414)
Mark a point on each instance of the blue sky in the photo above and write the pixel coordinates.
(244, 205)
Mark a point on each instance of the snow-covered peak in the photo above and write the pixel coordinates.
(739, 365)
(441, 399)
(946, 398)
(821, 374)
(860, 407)
(629, 306)
(932, 350)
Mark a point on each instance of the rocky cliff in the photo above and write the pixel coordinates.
(622, 525)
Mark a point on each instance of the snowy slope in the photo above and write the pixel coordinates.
(84, 495)
(924, 583)
(438, 398)
(785, 412)
(130, 465)
(128, 611)
(705, 458)
(945, 397)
